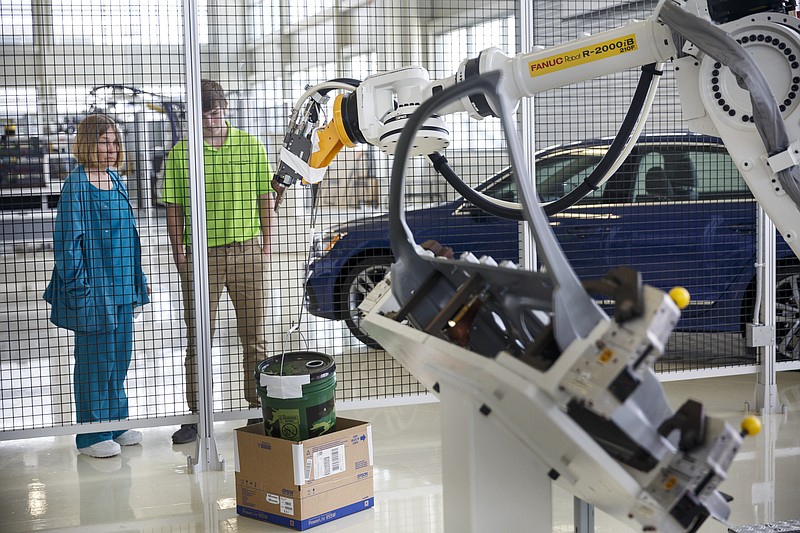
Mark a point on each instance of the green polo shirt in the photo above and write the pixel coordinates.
(237, 174)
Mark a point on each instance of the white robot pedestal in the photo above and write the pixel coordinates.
(491, 482)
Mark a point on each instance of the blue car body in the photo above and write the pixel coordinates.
(699, 234)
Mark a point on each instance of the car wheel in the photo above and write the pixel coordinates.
(357, 283)
(787, 313)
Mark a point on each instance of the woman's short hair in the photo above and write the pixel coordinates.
(88, 133)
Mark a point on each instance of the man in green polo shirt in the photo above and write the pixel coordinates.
(239, 219)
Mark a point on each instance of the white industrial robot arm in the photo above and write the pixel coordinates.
(711, 69)
(376, 111)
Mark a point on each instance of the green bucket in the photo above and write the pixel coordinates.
(297, 392)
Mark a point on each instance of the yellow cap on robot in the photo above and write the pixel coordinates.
(680, 296)
(751, 425)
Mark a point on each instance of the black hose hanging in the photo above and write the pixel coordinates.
(588, 185)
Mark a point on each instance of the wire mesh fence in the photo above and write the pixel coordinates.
(299, 288)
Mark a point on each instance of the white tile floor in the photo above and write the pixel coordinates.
(46, 486)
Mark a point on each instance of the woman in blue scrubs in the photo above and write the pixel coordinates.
(98, 258)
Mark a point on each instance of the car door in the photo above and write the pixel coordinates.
(688, 234)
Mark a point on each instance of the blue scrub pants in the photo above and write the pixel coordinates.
(101, 364)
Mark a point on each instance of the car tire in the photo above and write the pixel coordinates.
(787, 313)
(359, 280)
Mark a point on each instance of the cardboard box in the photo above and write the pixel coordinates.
(307, 483)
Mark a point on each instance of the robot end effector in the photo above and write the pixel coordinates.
(374, 112)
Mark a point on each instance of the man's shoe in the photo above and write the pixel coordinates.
(187, 433)
(129, 438)
(105, 448)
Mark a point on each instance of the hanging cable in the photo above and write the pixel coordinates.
(619, 149)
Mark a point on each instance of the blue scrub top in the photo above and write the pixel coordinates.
(113, 235)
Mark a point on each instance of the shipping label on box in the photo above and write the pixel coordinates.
(326, 462)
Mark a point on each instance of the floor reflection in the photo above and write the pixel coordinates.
(48, 486)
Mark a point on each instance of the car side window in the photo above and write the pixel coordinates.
(688, 175)
(718, 177)
(679, 175)
(652, 183)
(671, 173)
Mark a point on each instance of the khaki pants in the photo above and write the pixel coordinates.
(241, 269)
